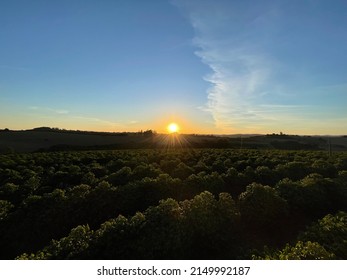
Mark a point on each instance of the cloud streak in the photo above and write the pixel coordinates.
(63, 117)
(254, 86)
(98, 121)
(240, 72)
(50, 110)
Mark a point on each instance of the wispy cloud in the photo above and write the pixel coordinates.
(249, 87)
(65, 119)
(98, 121)
(237, 82)
(241, 74)
(49, 110)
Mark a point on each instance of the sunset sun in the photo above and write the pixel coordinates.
(172, 128)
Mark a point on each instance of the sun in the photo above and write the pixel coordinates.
(173, 128)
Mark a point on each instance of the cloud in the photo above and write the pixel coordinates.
(237, 82)
(98, 121)
(241, 71)
(61, 112)
(49, 110)
(252, 87)
(63, 118)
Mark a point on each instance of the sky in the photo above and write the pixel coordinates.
(211, 66)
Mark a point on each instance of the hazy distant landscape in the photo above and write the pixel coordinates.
(48, 139)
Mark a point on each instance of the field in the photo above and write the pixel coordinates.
(174, 203)
(50, 139)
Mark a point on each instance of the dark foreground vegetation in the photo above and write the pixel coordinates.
(174, 204)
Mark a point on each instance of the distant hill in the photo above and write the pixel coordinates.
(54, 139)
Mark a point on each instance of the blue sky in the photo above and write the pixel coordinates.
(211, 66)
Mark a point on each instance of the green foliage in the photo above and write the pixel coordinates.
(303, 251)
(211, 226)
(265, 175)
(208, 203)
(316, 193)
(324, 239)
(88, 178)
(269, 207)
(66, 248)
(293, 170)
(324, 167)
(201, 227)
(291, 192)
(121, 177)
(182, 171)
(5, 208)
(330, 232)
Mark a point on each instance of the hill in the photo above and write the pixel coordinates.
(53, 139)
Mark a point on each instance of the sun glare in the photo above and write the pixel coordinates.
(172, 128)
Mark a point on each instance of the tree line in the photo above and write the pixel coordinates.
(173, 204)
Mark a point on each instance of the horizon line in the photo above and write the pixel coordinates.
(56, 129)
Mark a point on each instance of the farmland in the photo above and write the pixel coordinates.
(51, 139)
(173, 203)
